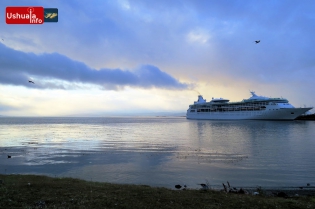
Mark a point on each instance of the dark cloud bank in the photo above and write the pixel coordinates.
(17, 67)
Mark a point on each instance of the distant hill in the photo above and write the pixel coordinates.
(135, 114)
(306, 117)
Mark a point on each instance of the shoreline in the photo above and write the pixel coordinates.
(33, 191)
(267, 190)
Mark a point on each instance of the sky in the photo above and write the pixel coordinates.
(138, 57)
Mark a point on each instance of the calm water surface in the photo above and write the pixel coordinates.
(161, 151)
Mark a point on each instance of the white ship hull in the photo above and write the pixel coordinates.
(279, 114)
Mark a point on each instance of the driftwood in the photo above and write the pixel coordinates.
(225, 189)
(228, 189)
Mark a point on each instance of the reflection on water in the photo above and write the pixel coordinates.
(161, 151)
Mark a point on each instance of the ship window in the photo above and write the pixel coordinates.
(192, 110)
(292, 113)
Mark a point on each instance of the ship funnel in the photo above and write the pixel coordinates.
(200, 100)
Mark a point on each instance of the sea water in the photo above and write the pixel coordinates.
(161, 151)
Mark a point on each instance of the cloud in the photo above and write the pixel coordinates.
(5, 108)
(17, 67)
(198, 36)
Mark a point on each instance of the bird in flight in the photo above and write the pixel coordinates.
(31, 82)
(257, 41)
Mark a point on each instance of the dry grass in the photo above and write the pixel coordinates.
(30, 191)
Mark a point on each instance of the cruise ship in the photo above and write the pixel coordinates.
(254, 108)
